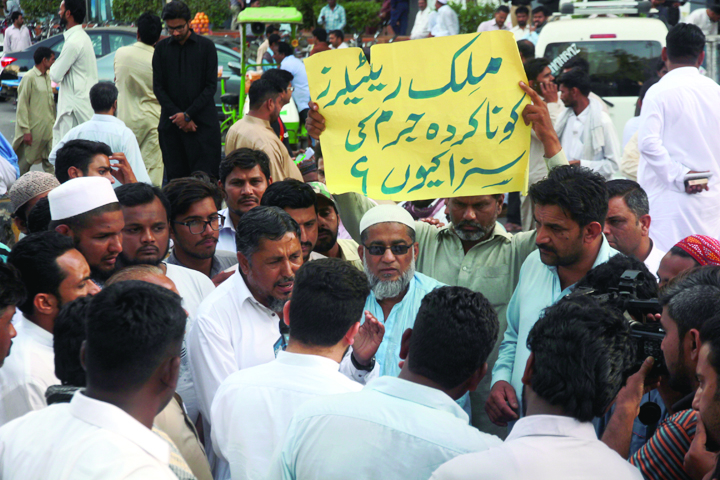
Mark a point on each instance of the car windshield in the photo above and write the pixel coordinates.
(617, 68)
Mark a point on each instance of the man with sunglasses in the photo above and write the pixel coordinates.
(194, 228)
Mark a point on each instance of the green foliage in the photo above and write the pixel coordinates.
(34, 9)
(305, 7)
(361, 15)
(129, 10)
(473, 15)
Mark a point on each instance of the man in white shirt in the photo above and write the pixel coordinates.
(17, 35)
(12, 293)
(420, 27)
(586, 132)
(446, 20)
(301, 90)
(54, 273)
(498, 21)
(253, 407)
(131, 356)
(336, 38)
(705, 18)
(522, 29)
(401, 427)
(85, 158)
(75, 70)
(676, 138)
(244, 177)
(105, 127)
(627, 225)
(581, 352)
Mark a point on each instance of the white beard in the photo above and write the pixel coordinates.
(389, 288)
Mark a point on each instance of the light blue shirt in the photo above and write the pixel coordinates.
(113, 132)
(301, 89)
(334, 19)
(391, 429)
(537, 289)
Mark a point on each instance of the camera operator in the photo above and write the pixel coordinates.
(687, 302)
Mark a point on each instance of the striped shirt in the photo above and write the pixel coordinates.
(661, 458)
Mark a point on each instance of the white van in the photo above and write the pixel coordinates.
(622, 53)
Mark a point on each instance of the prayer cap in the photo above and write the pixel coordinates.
(80, 195)
(444, 2)
(320, 189)
(30, 186)
(705, 250)
(384, 214)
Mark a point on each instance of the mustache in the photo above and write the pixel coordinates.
(546, 248)
(306, 244)
(468, 223)
(205, 239)
(285, 280)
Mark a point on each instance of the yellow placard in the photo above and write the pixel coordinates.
(432, 118)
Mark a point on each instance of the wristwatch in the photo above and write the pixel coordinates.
(187, 117)
(365, 368)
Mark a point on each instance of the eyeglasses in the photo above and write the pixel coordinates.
(176, 29)
(198, 226)
(379, 250)
(290, 88)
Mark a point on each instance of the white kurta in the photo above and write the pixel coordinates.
(700, 18)
(446, 22)
(85, 439)
(421, 28)
(678, 133)
(76, 72)
(16, 39)
(652, 262)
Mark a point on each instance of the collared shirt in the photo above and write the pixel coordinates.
(16, 39)
(677, 114)
(700, 18)
(420, 27)
(652, 262)
(492, 25)
(226, 240)
(538, 288)
(349, 252)
(332, 19)
(27, 373)
(221, 261)
(82, 440)
(36, 115)
(256, 133)
(446, 22)
(520, 33)
(301, 89)
(253, 407)
(391, 429)
(543, 447)
(113, 132)
(76, 72)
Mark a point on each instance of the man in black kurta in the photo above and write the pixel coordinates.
(185, 77)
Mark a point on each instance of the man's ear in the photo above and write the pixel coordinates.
(591, 231)
(269, 180)
(350, 334)
(693, 337)
(64, 230)
(500, 201)
(664, 55)
(286, 313)
(405, 344)
(74, 172)
(529, 369)
(169, 372)
(476, 377)
(645, 224)
(361, 251)
(20, 224)
(222, 189)
(243, 264)
(45, 303)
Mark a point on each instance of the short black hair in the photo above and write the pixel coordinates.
(685, 42)
(675, 250)
(710, 335)
(285, 49)
(78, 153)
(244, 159)
(527, 50)
(131, 327)
(281, 78)
(635, 197)
(35, 257)
(261, 91)
(182, 193)
(534, 67)
(260, 223)
(176, 10)
(41, 53)
(149, 28)
(338, 34)
(134, 194)
(68, 335)
(84, 220)
(454, 332)
(321, 34)
(692, 297)
(340, 288)
(39, 218)
(274, 38)
(577, 62)
(270, 29)
(522, 9)
(14, 16)
(583, 353)
(542, 9)
(12, 289)
(646, 86)
(289, 193)
(502, 8)
(578, 191)
(77, 9)
(102, 96)
(576, 78)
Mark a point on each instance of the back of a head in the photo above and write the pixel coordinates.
(261, 91)
(685, 42)
(176, 10)
(578, 191)
(135, 272)
(535, 66)
(12, 289)
(576, 78)
(68, 335)
(135, 194)
(38, 218)
(577, 62)
(289, 193)
(328, 298)
(635, 197)
(606, 276)
(527, 51)
(103, 96)
(149, 27)
(270, 223)
(320, 34)
(41, 53)
(285, 49)
(35, 256)
(270, 29)
(131, 328)
(273, 39)
(182, 193)
(77, 9)
(281, 78)
(78, 154)
(692, 297)
(244, 159)
(710, 335)
(583, 351)
(455, 330)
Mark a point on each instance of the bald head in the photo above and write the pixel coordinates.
(143, 273)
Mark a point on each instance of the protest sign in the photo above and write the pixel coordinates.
(431, 118)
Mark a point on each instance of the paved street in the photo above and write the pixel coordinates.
(7, 120)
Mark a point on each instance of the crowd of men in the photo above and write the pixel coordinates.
(227, 317)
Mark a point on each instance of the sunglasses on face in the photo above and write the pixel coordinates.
(379, 250)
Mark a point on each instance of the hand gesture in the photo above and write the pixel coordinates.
(368, 339)
(502, 405)
(538, 114)
(692, 189)
(698, 461)
(432, 221)
(549, 92)
(221, 277)
(315, 122)
(122, 170)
